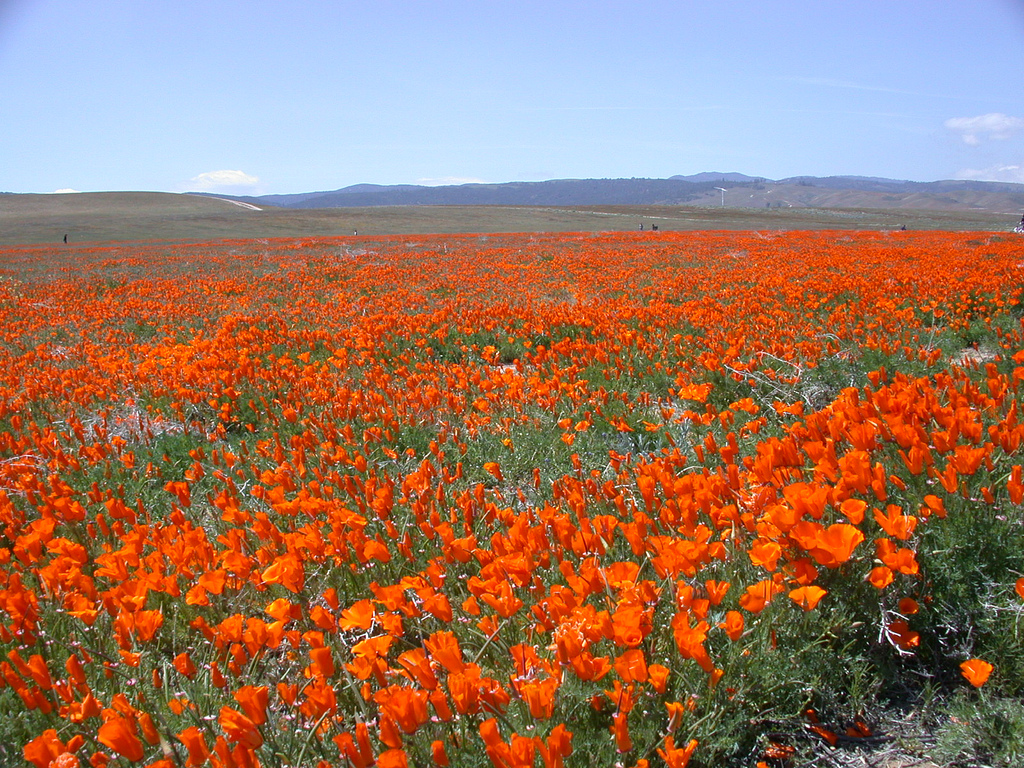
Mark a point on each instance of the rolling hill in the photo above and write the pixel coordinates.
(702, 189)
(587, 205)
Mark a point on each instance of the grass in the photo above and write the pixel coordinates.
(96, 217)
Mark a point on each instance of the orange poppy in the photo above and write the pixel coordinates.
(407, 706)
(853, 509)
(119, 733)
(438, 754)
(620, 730)
(716, 590)
(881, 577)
(759, 595)
(239, 728)
(807, 597)
(976, 671)
(287, 570)
(43, 749)
(539, 696)
(895, 523)
(835, 544)
(733, 625)
(254, 700)
(393, 758)
(588, 667)
(184, 664)
(658, 675)
(631, 666)
(556, 747)
(765, 553)
(359, 615)
(676, 710)
(677, 757)
(443, 647)
(908, 606)
(901, 635)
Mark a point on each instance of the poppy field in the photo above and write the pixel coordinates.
(619, 499)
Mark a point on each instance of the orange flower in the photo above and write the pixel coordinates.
(254, 701)
(658, 675)
(183, 663)
(676, 710)
(690, 640)
(438, 755)
(443, 648)
(759, 595)
(502, 599)
(393, 758)
(632, 666)
(716, 590)
(407, 706)
(620, 729)
(539, 696)
(902, 635)
(853, 509)
(358, 616)
(39, 672)
(43, 749)
(895, 523)
(881, 577)
(628, 626)
(733, 625)
(556, 746)
(587, 667)
(835, 545)
(807, 597)
(357, 751)
(765, 553)
(148, 728)
(976, 671)
(322, 661)
(417, 665)
(119, 733)
(287, 570)
(239, 728)
(935, 504)
(908, 606)
(677, 757)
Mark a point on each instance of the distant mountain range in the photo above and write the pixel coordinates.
(701, 189)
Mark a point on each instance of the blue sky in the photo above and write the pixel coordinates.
(275, 97)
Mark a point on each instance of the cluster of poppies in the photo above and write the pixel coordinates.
(473, 501)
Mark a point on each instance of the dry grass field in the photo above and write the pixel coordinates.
(126, 216)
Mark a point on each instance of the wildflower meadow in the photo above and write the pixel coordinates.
(628, 499)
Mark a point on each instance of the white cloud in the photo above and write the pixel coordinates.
(221, 181)
(66, 191)
(994, 125)
(1010, 173)
(448, 181)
